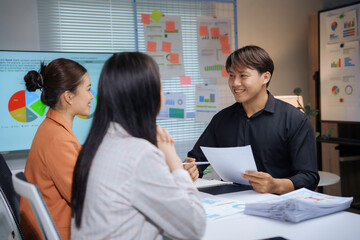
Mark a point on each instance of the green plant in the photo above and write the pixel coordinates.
(311, 113)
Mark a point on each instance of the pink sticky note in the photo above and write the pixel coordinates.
(225, 48)
(151, 46)
(224, 39)
(170, 26)
(204, 31)
(224, 73)
(185, 80)
(166, 47)
(174, 58)
(145, 18)
(215, 32)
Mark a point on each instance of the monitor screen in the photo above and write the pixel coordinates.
(21, 111)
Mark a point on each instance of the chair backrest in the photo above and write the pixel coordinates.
(9, 205)
(292, 99)
(32, 193)
(9, 226)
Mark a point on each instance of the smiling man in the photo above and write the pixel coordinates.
(281, 137)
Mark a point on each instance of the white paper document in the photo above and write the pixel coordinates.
(230, 162)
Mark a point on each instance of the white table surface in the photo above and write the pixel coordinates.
(341, 225)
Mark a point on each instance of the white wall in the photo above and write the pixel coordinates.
(281, 28)
(19, 25)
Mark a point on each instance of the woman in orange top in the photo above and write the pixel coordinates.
(65, 88)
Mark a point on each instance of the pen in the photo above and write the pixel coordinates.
(197, 163)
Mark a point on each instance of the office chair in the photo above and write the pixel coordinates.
(38, 206)
(9, 205)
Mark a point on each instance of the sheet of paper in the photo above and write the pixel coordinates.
(206, 102)
(230, 162)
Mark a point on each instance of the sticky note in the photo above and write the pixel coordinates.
(166, 47)
(225, 48)
(215, 32)
(204, 31)
(170, 26)
(151, 46)
(156, 15)
(185, 80)
(145, 18)
(224, 73)
(224, 39)
(174, 58)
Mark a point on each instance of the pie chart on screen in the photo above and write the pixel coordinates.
(25, 106)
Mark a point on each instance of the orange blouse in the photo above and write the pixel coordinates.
(50, 165)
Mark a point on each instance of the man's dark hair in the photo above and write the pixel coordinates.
(252, 57)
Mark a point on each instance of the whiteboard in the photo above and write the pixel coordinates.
(339, 37)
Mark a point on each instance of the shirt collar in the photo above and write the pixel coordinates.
(58, 118)
(269, 106)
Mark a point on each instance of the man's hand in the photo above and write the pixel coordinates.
(191, 168)
(265, 183)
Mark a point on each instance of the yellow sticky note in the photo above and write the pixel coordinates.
(156, 15)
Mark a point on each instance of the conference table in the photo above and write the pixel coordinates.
(340, 225)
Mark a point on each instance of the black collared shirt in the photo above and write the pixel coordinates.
(281, 138)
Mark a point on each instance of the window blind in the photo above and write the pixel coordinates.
(115, 26)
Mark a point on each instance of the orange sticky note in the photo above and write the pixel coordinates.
(145, 18)
(225, 48)
(215, 32)
(174, 58)
(224, 39)
(224, 73)
(170, 26)
(166, 47)
(204, 31)
(151, 46)
(185, 80)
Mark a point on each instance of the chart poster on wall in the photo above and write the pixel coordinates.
(213, 45)
(342, 27)
(21, 111)
(175, 106)
(163, 41)
(206, 102)
(340, 85)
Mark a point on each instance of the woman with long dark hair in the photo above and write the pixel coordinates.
(128, 184)
(65, 86)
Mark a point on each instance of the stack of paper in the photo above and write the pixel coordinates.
(298, 206)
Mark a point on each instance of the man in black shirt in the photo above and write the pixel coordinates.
(281, 137)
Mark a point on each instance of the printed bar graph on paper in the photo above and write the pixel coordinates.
(201, 99)
(170, 102)
(207, 100)
(336, 64)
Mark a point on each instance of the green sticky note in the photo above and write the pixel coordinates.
(156, 15)
(341, 16)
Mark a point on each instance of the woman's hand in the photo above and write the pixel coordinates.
(166, 144)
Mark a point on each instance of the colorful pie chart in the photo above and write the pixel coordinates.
(333, 26)
(335, 90)
(25, 106)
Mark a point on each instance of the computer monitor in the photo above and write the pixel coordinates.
(21, 111)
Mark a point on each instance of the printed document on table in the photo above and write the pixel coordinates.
(230, 162)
